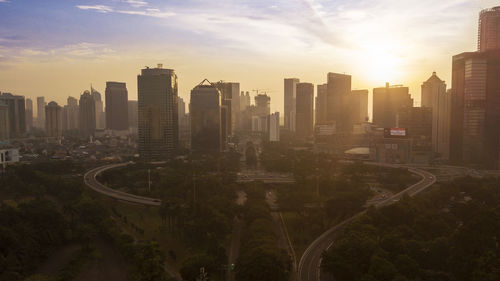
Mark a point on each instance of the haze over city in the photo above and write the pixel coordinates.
(61, 47)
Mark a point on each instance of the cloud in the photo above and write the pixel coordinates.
(4, 1)
(98, 8)
(136, 3)
(148, 12)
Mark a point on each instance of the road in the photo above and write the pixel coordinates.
(91, 181)
(309, 265)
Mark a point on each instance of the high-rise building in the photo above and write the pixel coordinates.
(40, 112)
(417, 122)
(386, 103)
(29, 114)
(184, 125)
(231, 102)
(262, 105)
(474, 135)
(73, 114)
(116, 106)
(434, 96)
(53, 120)
(290, 90)
(17, 114)
(132, 115)
(489, 29)
(358, 106)
(205, 113)
(87, 123)
(338, 93)
(321, 104)
(274, 127)
(158, 123)
(304, 110)
(4, 121)
(100, 118)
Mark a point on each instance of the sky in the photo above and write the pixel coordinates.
(58, 48)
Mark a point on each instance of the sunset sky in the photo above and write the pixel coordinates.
(58, 48)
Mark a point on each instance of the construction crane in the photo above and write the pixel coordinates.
(260, 90)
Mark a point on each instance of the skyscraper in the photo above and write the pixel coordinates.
(132, 115)
(87, 114)
(434, 96)
(387, 101)
(158, 123)
(290, 90)
(274, 127)
(29, 114)
(321, 104)
(184, 125)
(40, 112)
(358, 106)
(304, 110)
(4, 121)
(489, 29)
(116, 106)
(205, 113)
(73, 114)
(17, 114)
(338, 93)
(53, 120)
(99, 109)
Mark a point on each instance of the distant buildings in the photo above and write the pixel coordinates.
(304, 110)
(338, 93)
(387, 101)
(100, 118)
(260, 113)
(184, 125)
(230, 107)
(321, 104)
(116, 106)
(290, 90)
(435, 96)
(53, 120)
(158, 117)
(358, 106)
(489, 30)
(73, 114)
(40, 112)
(4, 121)
(274, 127)
(205, 114)
(17, 114)
(87, 123)
(417, 122)
(29, 114)
(132, 115)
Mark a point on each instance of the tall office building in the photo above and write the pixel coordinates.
(29, 114)
(184, 125)
(87, 123)
(4, 121)
(116, 106)
(274, 127)
(17, 114)
(338, 93)
(40, 112)
(158, 119)
(358, 106)
(244, 101)
(100, 118)
(132, 115)
(53, 120)
(417, 122)
(321, 104)
(489, 29)
(304, 110)
(434, 96)
(386, 103)
(230, 107)
(205, 114)
(73, 114)
(290, 91)
(475, 116)
(260, 113)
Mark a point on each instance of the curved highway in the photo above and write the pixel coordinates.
(309, 265)
(90, 179)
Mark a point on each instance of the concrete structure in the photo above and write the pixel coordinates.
(489, 30)
(338, 94)
(158, 123)
(73, 114)
(10, 155)
(475, 116)
(205, 113)
(304, 110)
(4, 122)
(100, 118)
(386, 103)
(87, 123)
(435, 96)
(418, 124)
(40, 112)
(29, 114)
(274, 127)
(116, 106)
(230, 99)
(184, 125)
(358, 106)
(321, 104)
(262, 105)
(132, 115)
(17, 114)
(290, 95)
(53, 120)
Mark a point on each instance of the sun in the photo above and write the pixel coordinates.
(380, 62)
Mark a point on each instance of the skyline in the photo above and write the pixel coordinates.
(255, 43)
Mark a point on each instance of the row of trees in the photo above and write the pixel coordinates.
(449, 234)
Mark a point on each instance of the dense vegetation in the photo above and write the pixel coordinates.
(450, 233)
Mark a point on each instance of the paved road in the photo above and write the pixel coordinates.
(309, 265)
(91, 181)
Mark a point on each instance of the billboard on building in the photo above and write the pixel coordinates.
(395, 133)
(10, 155)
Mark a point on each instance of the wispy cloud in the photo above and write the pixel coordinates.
(98, 8)
(136, 3)
(4, 1)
